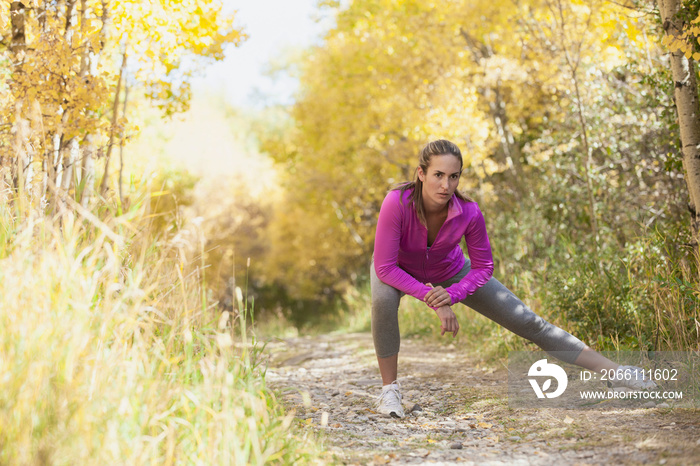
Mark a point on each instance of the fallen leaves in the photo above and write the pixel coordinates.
(480, 425)
(384, 459)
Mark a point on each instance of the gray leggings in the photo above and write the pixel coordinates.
(492, 300)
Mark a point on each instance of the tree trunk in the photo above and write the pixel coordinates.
(70, 13)
(28, 170)
(88, 171)
(17, 15)
(41, 17)
(588, 162)
(69, 158)
(572, 55)
(18, 45)
(43, 197)
(20, 155)
(121, 145)
(510, 156)
(686, 97)
(106, 23)
(510, 151)
(115, 114)
(86, 69)
(56, 168)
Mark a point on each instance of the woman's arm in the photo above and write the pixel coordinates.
(386, 249)
(479, 250)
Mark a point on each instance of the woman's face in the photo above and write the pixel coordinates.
(440, 181)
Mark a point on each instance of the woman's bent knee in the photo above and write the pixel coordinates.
(385, 306)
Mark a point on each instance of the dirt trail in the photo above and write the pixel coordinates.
(331, 381)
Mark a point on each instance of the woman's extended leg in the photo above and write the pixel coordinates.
(594, 361)
(499, 304)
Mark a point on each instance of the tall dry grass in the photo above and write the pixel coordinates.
(111, 352)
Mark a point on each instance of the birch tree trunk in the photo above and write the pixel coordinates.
(56, 167)
(115, 115)
(18, 45)
(686, 97)
(20, 154)
(121, 145)
(69, 158)
(88, 165)
(71, 155)
(88, 170)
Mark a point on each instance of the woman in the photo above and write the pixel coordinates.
(417, 252)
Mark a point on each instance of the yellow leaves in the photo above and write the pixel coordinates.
(613, 56)
(92, 25)
(161, 32)
(684, 41)
(680, 44)
(391, 76)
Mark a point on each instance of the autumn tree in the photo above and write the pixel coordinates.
(548, 100)
(67, 64)
(681, 36)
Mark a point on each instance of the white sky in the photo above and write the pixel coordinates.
(273, 27)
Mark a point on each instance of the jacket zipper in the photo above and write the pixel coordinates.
(425, 274)
(427, 250)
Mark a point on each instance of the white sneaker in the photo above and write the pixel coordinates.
(633, 377)
(389, 402)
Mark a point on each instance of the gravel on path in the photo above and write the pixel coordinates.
(459, 412)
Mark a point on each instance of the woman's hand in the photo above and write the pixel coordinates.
(448, 320)
(437, 297)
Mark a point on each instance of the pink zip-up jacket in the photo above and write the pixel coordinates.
(403, 260)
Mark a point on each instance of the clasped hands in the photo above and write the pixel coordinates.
(439, 298)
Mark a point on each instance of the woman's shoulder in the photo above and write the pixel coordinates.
(468, 206)
(399, 195)
(467, 203)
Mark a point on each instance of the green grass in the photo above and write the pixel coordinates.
(110, 353)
